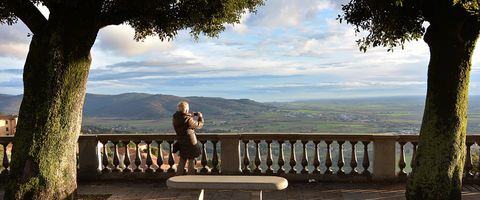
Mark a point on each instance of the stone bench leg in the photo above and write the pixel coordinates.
(202, 193)
(255, 195)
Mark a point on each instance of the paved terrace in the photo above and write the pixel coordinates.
(122, 190)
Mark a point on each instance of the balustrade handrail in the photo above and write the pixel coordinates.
(253, 136)
(261, 136)
(315, 136)
(264, 136)
(6, 139)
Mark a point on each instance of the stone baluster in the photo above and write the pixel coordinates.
(413, 162)
(401, 162)
(304, 157)
(468, 162)
(328, 159)
(353, 160)
(281, 159)
(171, 161)
(106, 168)
(316, 159)
(5, 162)
(293, 157)
(138, 157)
(478, 162)
(149, 160)
(269, 157)
(116, 160)
(215, 169)
(126, 158)
(340, 161)
(257, 169)
(246, 157)
(160, 157)
(204, 161)
(366, 160)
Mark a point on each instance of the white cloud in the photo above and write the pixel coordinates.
(476, 56)
(119, 39)
(14, 41)
(11, 62)
(9, 76)
(44, 10)
(327, 52)
(17, 50)
(241, 27)
(350, 85)
(284, 13)
(11, 90)
(113, 86)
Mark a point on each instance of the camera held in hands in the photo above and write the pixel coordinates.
(195, 114)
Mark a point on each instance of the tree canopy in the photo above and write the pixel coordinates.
(391, 23)
(163, 18)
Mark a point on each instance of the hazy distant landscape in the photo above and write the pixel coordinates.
(147, 113)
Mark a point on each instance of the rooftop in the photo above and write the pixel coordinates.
(9, 116)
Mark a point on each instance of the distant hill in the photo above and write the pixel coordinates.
(148, 106)
(149, 113)
(10, 103)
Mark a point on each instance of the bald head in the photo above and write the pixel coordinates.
(183, 107)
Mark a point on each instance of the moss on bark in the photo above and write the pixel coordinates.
(441, 149)
(55, 75)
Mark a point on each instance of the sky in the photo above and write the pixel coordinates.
(287, 51)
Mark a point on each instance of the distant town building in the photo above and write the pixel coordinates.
(8, 124)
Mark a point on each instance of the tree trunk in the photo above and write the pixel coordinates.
(438, 170)
(55, 76)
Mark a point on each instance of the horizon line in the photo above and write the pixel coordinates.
(285, 101)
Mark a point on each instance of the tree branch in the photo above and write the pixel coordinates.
(28, 13)
(119, 12)
(113, 18)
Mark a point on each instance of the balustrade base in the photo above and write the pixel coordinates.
(3, 178)
(311, 178)
(133, 176)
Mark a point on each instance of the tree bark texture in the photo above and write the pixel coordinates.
(437, 173)
(55, 75)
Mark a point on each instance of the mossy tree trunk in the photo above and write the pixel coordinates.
(55, 76)
(441, 149)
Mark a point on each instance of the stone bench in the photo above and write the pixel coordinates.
(208, 182)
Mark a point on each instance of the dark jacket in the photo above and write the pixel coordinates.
(185, 126)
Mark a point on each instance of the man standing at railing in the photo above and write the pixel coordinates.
(185, 125)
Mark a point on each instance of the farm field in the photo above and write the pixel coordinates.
(400, 115)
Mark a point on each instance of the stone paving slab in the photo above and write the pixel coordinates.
(124, 190)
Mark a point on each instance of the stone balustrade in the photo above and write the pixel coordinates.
(296, 156)
(5, 151)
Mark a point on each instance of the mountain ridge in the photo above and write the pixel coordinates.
(148, 106)
(152, 113)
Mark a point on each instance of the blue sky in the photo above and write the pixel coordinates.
(289, 50)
